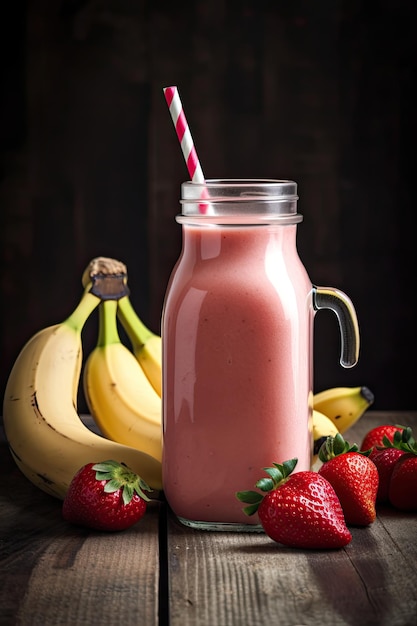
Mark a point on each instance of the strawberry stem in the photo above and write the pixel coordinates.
(119, 476)
(335, 446)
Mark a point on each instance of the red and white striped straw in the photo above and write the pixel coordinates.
(183, 133)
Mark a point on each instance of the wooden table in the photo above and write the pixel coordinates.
(159, 572)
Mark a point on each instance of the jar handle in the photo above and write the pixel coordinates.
(338, 302)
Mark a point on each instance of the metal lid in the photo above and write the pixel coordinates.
(239, 201)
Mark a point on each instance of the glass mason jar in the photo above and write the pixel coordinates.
(237, 337)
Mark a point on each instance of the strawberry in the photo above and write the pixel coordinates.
(403, 485)
(375, 437)
(385, 461)
(299, 510)
(105, 496)
(354, 478)
(402, 491)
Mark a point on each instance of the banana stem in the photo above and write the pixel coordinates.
(107, 329)
(83, 310)
(136, 330)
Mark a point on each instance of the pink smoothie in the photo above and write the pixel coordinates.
(237, 371)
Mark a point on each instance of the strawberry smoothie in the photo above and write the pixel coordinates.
(237, 367)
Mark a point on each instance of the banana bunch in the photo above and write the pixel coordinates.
(122, 387)
(47, 439)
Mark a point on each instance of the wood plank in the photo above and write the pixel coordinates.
(54, 573)
(246, 579)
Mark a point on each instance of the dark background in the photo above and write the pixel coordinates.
(319, 92)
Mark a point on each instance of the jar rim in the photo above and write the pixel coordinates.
(240, 187)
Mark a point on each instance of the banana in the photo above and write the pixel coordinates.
(120, 397)
(46, 436)
(323, 427)
(146, 345)
(343, 405)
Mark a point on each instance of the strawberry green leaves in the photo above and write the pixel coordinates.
(402, 440)
(277, 475)
(252, 498)
(334, 446)
(119, 476)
